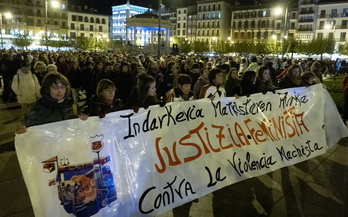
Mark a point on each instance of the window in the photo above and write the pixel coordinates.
(213, 7)
(199, 8)
(343, 36)
(344, 24)
(321, 24)
(82, 27)
(72, 34)
(178, 25)
(103, 21)
(320, 36)
(72, 26)
(322, 13)
(79, 18)
(330, 35)
(91, 28)
(86, 19)
(100, 28)
(345, 12)
(91, 20)
(97, 20)
(334, 12)
(217, 33)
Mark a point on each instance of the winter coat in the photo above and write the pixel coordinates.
(48, 110)
(176, 95)
(99, 107)
(26, 87)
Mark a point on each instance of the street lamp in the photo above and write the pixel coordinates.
(54, 4)
(7, 16)
(278, 11)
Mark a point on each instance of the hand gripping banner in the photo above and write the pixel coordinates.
(146, 163)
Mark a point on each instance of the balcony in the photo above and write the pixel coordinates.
(307, 2)
(307, 12)
(306, 21)
(305, 29)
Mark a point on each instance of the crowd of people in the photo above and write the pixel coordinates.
(50, 83)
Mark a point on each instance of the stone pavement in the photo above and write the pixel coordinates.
(315, 188)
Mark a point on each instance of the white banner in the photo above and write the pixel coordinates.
(146, 163)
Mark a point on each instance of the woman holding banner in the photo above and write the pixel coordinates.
(144, 94)
(292, 77)
(263, 80)
(104, 101)
(214, 88)
(54, 105)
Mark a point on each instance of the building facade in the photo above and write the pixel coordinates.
(28, 17)
(332, 21)
(120, 14)
(213, 20)
(85, 22)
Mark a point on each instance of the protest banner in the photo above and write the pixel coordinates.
(146, 163)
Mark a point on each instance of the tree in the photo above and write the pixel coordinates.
(260, 48)
(184, 45)
(84, 43)
(343, 49)
(102, 44)
(22, 41)
(273, 47)
(200, 47)
(221, 47)
(241, 47)
(290, 45)
(45, 41)
(320, 46)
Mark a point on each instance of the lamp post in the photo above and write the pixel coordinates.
(54, 4)
(159, 28)
(277, 12)
(7, 16)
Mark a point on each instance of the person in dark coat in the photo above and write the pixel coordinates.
(124, 81)
(247, 85)
(232, 81)
(104, 101)
(54, 105)
(144, 94)
(292, 77)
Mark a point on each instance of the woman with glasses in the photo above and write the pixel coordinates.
(54, 105)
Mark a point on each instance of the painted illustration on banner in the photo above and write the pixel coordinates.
(83, 188)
